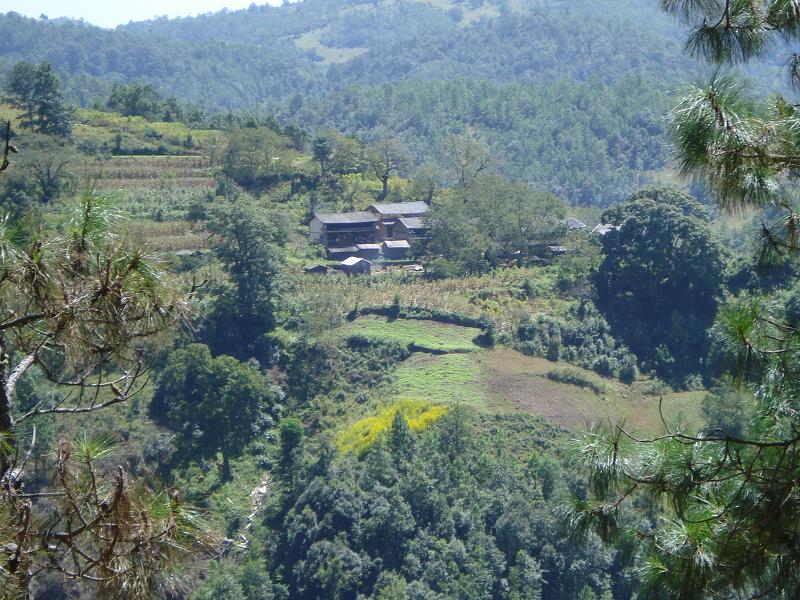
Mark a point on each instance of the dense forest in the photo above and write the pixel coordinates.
(570, 96)
(401, 300)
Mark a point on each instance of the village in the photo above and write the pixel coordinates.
(356, 241)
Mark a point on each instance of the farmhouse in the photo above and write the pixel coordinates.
(344, 229)
(363, 234)
(391, 213)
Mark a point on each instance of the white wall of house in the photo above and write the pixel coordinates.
(315, 231)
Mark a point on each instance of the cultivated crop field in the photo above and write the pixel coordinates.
(434, 337)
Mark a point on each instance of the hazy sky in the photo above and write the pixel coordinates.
(109, 13)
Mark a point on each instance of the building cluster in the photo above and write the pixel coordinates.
(358, 238)
(385, 232)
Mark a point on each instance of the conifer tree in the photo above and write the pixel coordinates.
(732, 501)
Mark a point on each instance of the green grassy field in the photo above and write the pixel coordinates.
(448, 378)
(436, 337)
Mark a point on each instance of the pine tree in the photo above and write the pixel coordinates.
(732, 521)
(77, 308)
(36, 90)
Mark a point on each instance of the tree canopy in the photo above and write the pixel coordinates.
(659, 282)
(247, 241)
(214, 404)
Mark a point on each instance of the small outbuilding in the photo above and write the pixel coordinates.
(369, 251)
(574, 224)
(356, 266)
(315, 270)
(557, 250)
(603, 228)
(341, 253)
(396, 249)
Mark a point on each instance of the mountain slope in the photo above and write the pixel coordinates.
(567, 94)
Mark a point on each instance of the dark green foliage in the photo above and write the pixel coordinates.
(659, 283)
(36, 90)
(413, 520)
(488, 334)
(213, 404)
(257, 158)
(247, 241)
(628, 371)
(584, 340)
(416, 312)
(749, 273)
(318, 368)
(233, 581)
(136, 100)
(671, 197)
(724, 408)
(575, 377)
(791, 309)
(291, 449)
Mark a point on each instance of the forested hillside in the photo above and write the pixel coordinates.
(356, 299)
(537, 82)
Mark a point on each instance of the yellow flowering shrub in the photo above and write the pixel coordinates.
(362, 434)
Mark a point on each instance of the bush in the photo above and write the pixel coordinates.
(584, 340)
(656, 387)
(604, 365)
(554, 350)
(628, 371)
(394, 310)
(488, 335)
(575, 377)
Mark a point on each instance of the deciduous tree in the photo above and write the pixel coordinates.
(659, 283)
(387, 157)
(215, 404)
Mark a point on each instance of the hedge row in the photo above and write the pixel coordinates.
(396, 311)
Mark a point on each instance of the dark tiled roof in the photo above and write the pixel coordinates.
(397, 244)
(400, 208)
(413, 222)
(573, 223)
(351, 218)
(344, 250)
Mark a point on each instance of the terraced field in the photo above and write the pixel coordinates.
(515, 382)
(425, 335)
(503, 381)
(448, 378)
